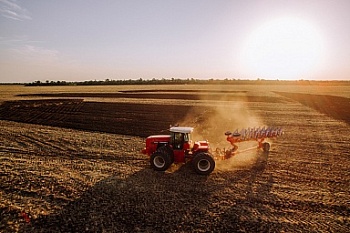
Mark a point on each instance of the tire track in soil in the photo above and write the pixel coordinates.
(29, 143)
(48, 142)
(39, 184)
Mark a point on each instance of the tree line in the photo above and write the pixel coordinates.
(170, 81)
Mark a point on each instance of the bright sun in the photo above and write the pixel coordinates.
(285, 48)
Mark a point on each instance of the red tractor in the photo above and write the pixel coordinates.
(177, 148)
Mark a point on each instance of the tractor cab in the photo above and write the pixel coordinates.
(180, 141)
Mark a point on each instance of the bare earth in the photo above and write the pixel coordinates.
(70, 161)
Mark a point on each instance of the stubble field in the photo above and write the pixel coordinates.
(70, 160)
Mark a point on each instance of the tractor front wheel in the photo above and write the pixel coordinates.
(203, 163)
(160, 161)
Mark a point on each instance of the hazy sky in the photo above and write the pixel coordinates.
(77, 40)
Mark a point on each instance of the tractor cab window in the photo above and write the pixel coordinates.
(187, 142)
(177, 140)
(187, 137)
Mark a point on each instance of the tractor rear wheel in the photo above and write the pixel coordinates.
(160, 161)
(167, 150)
(203, 163)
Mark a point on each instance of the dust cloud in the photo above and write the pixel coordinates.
(218, 117)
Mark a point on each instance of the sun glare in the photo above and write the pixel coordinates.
(285, 48)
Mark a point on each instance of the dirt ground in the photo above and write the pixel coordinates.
(72, 164)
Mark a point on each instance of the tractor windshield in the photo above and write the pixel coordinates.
(178, 139)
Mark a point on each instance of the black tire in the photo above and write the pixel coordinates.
(266, 147)
(160, 161)
(167, 150)
(203, 163)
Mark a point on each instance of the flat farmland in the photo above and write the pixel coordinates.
(70, 159)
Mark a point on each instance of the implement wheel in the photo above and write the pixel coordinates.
(266, 147)
(203, 163)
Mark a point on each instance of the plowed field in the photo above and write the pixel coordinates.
(70, 161)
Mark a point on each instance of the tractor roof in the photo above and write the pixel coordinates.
(181, 129)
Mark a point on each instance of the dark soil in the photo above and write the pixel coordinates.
(334, 106)
(118, 118)
(175, 95)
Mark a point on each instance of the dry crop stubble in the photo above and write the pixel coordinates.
(99, 181)
(45, 168)
(312, 168)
